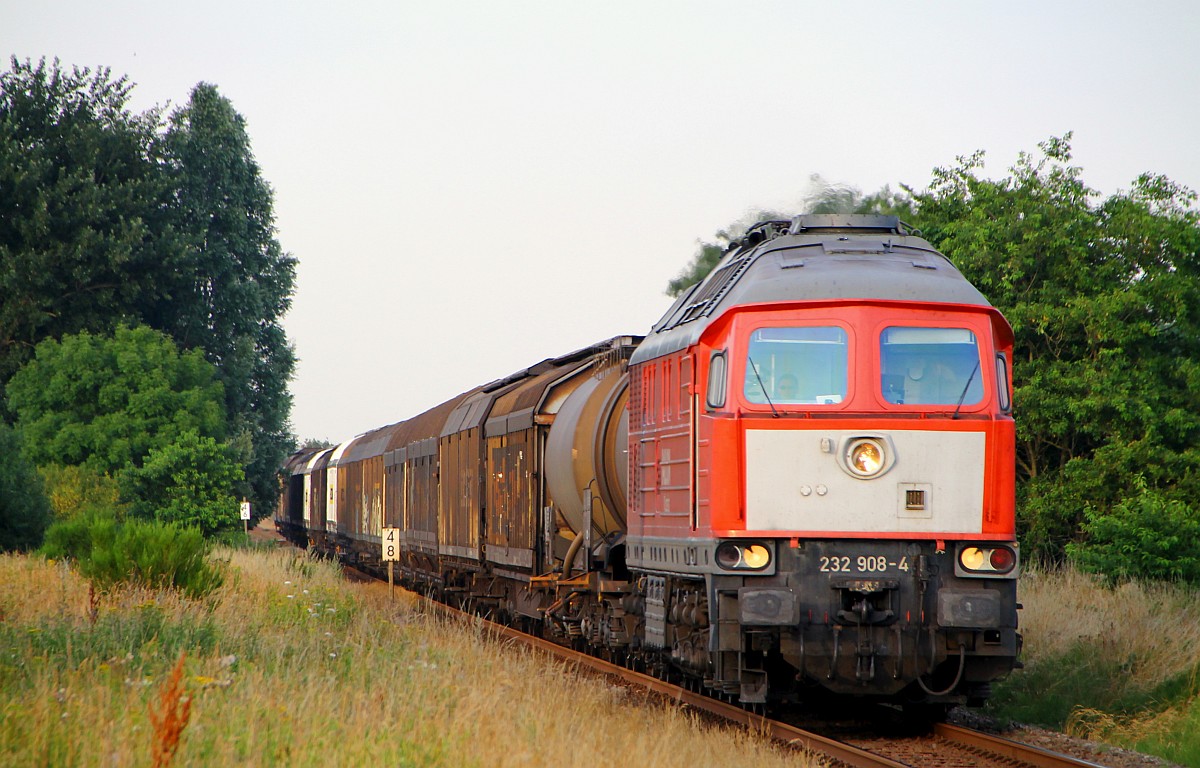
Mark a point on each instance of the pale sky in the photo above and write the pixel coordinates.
(472, 187)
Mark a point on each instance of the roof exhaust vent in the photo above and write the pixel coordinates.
(848, 224)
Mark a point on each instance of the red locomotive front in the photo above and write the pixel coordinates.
(822, 471)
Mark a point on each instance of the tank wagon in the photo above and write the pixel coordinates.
(799, 483)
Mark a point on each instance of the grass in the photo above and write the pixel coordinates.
(1118, 665)
(287, 664)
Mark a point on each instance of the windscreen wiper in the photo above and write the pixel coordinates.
(762, 386)
(963, 396)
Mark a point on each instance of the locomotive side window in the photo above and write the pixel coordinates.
(716, 380)
(797, 365)
(930, 366)
(1002, 382)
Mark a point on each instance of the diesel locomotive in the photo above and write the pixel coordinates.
(799, 483)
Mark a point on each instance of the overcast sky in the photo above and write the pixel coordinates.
(472, 187)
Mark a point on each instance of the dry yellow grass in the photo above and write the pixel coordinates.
(288, 664)
(1154, 628)
(1144, 639)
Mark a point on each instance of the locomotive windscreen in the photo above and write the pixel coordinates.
(930, 366)
(797, 364)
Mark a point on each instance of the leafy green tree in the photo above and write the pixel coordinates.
(1104, 299)
(24, 510)
(110, 217)
(104, 402)
(85, 232)
(193, 482)
(822, 197)
(1147, 536)
(237, 279)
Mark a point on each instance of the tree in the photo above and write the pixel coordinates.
(110, 217)
(822, 197)
(237, 279)
(1149, 536)
(85, 237)
(1104, 299)
(24, 510)
(104, 402)
(193, 482)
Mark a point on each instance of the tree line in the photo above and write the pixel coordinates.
(1103, 294)
(144, 368)
(143, 365)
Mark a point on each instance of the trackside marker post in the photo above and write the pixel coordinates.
(246, 517)
(391, 553)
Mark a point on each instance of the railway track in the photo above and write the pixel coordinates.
(953, 745)
(948, 746)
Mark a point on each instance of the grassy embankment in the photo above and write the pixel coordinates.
(287, 664)
(1119, 665)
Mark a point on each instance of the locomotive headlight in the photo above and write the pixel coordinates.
(742, 556)
(972, 558)
(756, 556)
(999, 560)
(865, 457)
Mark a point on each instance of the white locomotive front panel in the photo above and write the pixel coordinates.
(929, 482)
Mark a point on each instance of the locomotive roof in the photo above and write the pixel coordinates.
(813, 257)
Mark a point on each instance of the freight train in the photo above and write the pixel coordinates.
(799, 483)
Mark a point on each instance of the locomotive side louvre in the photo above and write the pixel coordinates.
(661, 407)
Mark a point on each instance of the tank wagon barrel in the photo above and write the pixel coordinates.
(799, 483)
(587, 455)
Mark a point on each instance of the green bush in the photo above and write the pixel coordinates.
(72, 539)
(1148, 536)
(190, 481)
(149, 553)
(24, 510)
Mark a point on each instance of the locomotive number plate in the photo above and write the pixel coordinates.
(862, 564)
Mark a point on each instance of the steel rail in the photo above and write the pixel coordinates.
(996, 745)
